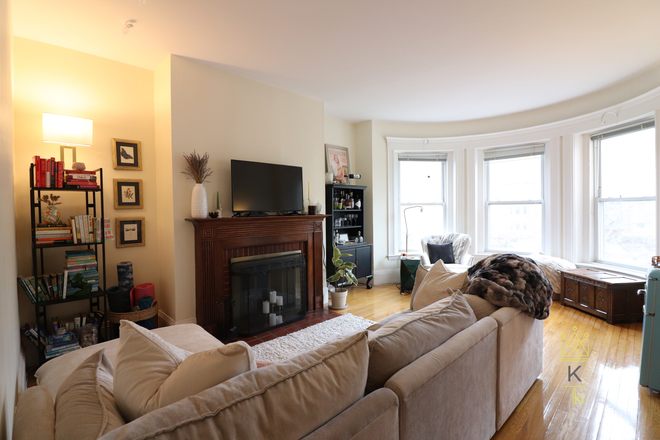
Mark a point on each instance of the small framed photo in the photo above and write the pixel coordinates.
(337, 162)
(130, 231)
(128, 193)
(127, 155)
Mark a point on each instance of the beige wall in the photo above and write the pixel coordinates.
(120, 100)
(232, 117)
(10, 358)
(342, 133)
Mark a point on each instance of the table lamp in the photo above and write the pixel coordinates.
(68, 131)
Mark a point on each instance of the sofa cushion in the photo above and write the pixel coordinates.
(85, 407)
(435, 285)
(287, 400)
(190, 337)
(400, 342)
(444, 252)
(34, 416)
(480, 306)
(151, 373)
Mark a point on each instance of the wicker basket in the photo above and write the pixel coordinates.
(140, 315)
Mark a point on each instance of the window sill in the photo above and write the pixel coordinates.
(396, 257)
(615, 269)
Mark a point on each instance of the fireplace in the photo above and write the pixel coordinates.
(267, 291)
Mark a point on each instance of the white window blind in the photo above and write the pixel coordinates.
(514, 152)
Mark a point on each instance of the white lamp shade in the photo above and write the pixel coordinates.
(67, 130)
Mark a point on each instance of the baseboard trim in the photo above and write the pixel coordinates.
(386, 276)
(164, 317)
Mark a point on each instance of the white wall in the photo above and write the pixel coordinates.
(10, 358)
(342, 133)
(232, 117)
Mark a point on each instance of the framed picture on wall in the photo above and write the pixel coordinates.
(128, 193)
(127, 155)
(130, 231)
(337, 163)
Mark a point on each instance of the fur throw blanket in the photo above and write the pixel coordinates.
(509, 280)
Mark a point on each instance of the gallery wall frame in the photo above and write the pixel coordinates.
(128, 193)
(127, 154)
(130, 231)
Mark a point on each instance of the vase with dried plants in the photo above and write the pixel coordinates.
(51, 214)
(198, 170)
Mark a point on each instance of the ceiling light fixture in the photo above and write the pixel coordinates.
(128, 25)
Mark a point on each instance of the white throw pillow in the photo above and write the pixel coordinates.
(151, 373)
(435, 285)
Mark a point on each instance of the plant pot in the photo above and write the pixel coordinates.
(199, 204)
(50, 215)
(339, 299)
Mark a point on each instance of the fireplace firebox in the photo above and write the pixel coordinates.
(268, 291)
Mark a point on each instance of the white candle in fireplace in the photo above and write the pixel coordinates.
(273, 296)
(272, 319)
(278, 319)
(266, 307)
(280, 300)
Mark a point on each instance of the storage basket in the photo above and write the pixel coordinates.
(140, 315)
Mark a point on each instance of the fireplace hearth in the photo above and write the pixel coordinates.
(267, 291)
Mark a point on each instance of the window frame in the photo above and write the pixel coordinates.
(599, 201)
(488, 203)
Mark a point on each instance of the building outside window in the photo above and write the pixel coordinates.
(625, 195)
(514, 180)
(422, 181)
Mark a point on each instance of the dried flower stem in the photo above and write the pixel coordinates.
(52, 201)
(198, 166)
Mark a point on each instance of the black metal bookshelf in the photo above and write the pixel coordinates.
(93, 206)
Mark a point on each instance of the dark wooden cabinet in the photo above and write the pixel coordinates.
(609, 296)
(348, 223)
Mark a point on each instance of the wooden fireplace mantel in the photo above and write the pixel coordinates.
(219, 240)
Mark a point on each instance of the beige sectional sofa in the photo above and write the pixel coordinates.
(465, 388)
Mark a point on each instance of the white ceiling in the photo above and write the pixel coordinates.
(421, 60)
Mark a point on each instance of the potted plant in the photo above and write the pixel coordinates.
(198, 169)
(343, 272)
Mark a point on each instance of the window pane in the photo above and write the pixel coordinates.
(515, 227)
(421, 182)
(420, 224)
(628, 165)
(628, 233)
(515, 180)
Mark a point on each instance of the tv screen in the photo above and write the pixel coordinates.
(265, 187)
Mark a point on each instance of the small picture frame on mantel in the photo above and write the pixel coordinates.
(128, 193)
(126, 154)
(130, 231)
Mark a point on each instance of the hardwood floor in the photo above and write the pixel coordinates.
(615, 406)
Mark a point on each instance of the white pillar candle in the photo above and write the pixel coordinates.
(266, 307)
(278, 319)
(272, 319)
(273, 296)
(280, 300)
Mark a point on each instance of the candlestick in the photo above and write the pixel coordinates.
(266, 307)
(280, 300)
(217, 200)
(273, 296)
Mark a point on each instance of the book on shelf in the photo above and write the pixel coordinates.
(26, 289)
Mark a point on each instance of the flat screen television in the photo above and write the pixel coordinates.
(258, 188)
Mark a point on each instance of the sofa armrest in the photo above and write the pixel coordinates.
(467, 260)
(451, 389)
(519, 343)
(375, 416)
(34, 416)
(424, 259)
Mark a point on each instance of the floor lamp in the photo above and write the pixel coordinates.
(405, 218)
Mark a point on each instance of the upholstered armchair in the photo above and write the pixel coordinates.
(460, 243)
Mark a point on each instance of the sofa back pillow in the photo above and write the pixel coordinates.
(400, 342)
(283, 401)
(151, 373)
(85, 407)
(435, 285)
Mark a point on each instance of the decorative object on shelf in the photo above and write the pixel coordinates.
(218, 206)
(198, 170)
(319, 208)
(78, 166)
(79, 282)
(126, 154)
(337, 162)
(405, 218)
(130, 231)
(343, 272)
(329, 178)
(128, 193)
(51, 214)
(213, 214)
